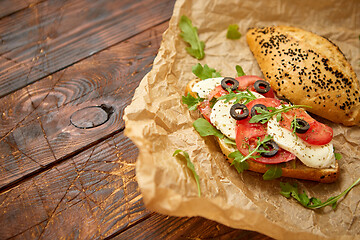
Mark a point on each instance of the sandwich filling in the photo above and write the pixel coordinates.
(232, 107)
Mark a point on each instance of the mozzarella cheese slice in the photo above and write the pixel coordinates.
(314, 156)
(204, 87)
(220, 116)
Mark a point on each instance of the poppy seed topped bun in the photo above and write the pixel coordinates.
(307, 69)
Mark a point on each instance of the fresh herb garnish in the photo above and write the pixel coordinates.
(249, 96)
(204, 128)
(233, 32)
(264, 115)
(273, 172)
(190, 166)
(205, 72)
(240, 71)
(240, 160)
(229, 141)
(191, 101)
(291, 190)
(295, 125)
(190, 35)
(338, 156)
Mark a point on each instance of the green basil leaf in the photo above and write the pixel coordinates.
(191, 101)
(190, 166)
(274, 172)
(205, 72)
(189, 33)
(240, 71)
(204, 128)
(233, 32)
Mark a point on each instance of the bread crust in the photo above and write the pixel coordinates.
(324, 175)
(307, 69)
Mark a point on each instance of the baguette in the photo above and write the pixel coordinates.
(293, 169)
(307, 69)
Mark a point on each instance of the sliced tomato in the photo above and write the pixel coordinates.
(247, 135)
(205, 109)
(217, 92)
(248, 81)
(245, 82)
(318, 133)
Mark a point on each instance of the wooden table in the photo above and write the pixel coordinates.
(67, 71)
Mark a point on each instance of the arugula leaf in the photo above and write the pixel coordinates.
(229, 141)
(291, 190)
(190, 35)
(249, 96)
(191, 101)
(273, 172)
(338, 156)
(233, 32)
(204, 128)
(240, 160)
(190, 166)
(204, 72)
(240, 71)
(264, 115)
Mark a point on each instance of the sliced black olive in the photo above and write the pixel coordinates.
(253, 110)
(229, 82)
(270, 147)
(285, 101)
(239, 111)
(262, 86)
(302, 126)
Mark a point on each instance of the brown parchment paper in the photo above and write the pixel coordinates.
(158, 123)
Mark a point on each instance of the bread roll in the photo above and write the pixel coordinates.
(307, 69)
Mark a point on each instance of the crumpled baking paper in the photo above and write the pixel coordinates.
(158, 123)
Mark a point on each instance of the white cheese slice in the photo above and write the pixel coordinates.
(314, 156)
(220, 116)
(204, 87)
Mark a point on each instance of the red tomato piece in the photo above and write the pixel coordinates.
(205, 109)
(248, 81)
(247, 135)
(217, 92)
(318, 133)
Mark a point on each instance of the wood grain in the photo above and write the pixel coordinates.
(90, 196)
(54, 34)
(8, 7)
(166, 227)
(36, 129)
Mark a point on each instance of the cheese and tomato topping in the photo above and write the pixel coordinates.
(316, 156)
(313, 148)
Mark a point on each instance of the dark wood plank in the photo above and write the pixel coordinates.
(90, 196)
(8, 7)
(158, 226)
(54, 34)
(36, 127)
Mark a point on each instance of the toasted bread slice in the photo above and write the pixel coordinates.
(307, 69)
(290, 169)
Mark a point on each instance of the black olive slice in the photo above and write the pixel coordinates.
(270, 147)
(302, 126)
(239, 111)
(253, 110)
(229, 82)
(262, 86)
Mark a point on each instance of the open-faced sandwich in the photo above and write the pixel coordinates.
(258, 132)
